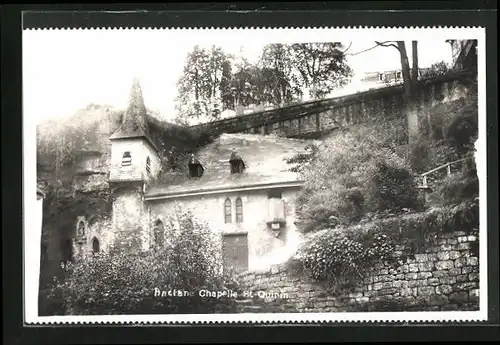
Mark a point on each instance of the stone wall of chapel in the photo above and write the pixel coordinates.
(139, 150)
(263, 246)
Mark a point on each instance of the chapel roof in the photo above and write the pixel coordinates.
(135, 123)
(264, 157)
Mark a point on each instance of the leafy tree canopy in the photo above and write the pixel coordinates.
(213, 81)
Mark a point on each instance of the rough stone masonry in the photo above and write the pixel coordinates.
(443, 277)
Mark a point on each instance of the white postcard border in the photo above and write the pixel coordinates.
(32, 235)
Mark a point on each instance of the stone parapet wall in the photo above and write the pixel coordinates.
(443, 277)
(312, 119)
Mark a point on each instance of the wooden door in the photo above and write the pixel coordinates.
(235, 251)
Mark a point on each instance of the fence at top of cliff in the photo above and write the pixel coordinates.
(353, 108)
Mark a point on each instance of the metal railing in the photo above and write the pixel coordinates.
(439, 168)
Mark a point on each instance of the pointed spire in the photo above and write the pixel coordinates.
(134, 122)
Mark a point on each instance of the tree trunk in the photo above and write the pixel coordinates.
(414, 74)
(405, 69)
(412, 109)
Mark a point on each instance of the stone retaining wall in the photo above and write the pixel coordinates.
(315, 118)
(443, 277)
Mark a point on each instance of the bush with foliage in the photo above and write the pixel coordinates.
(355, 172)
(437, 69)
(330, 256)
(394, 188)
(463, 129)
(120, 282)
(457, 187)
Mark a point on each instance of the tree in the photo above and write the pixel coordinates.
(210, 85)
(321, 67)
(203, 82)
(277, 60)
(437, 69)
(410, 82)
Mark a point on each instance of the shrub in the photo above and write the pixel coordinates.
(124, 283)
(394, 188)
(346, 254)
(456, 188)
(437, 69)
(463, 129)
(334, 258)
(354, 172)
(441, 152)
(419, 158)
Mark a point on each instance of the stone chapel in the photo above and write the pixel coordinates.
(240, 184)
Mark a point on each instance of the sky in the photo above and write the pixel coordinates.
(65, 70)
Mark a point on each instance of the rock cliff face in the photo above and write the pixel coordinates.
(73, 164)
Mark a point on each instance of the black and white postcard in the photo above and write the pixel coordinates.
(254, 175)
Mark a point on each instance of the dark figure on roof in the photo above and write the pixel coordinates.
(195, 167)
(237, 164)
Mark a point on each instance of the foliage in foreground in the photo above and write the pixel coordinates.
(347, 253)
(120, 282)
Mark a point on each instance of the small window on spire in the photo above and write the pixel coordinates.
(195, 167)
(237, 164)
(148, 165)
(126, 159)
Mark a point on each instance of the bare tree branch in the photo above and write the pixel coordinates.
(378, 44)
(362, 51)
(387, 44)
(344, 52)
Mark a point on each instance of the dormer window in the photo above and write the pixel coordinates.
(237, 164)
(126, 159)
(148, 165)
(195, 167)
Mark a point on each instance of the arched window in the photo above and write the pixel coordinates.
(126, 159)
(80, 229)
(148, 165)
(239, 211)
(227, 211)
(158, 233)
(95, 245)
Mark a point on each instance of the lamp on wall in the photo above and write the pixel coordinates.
(276, 215)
